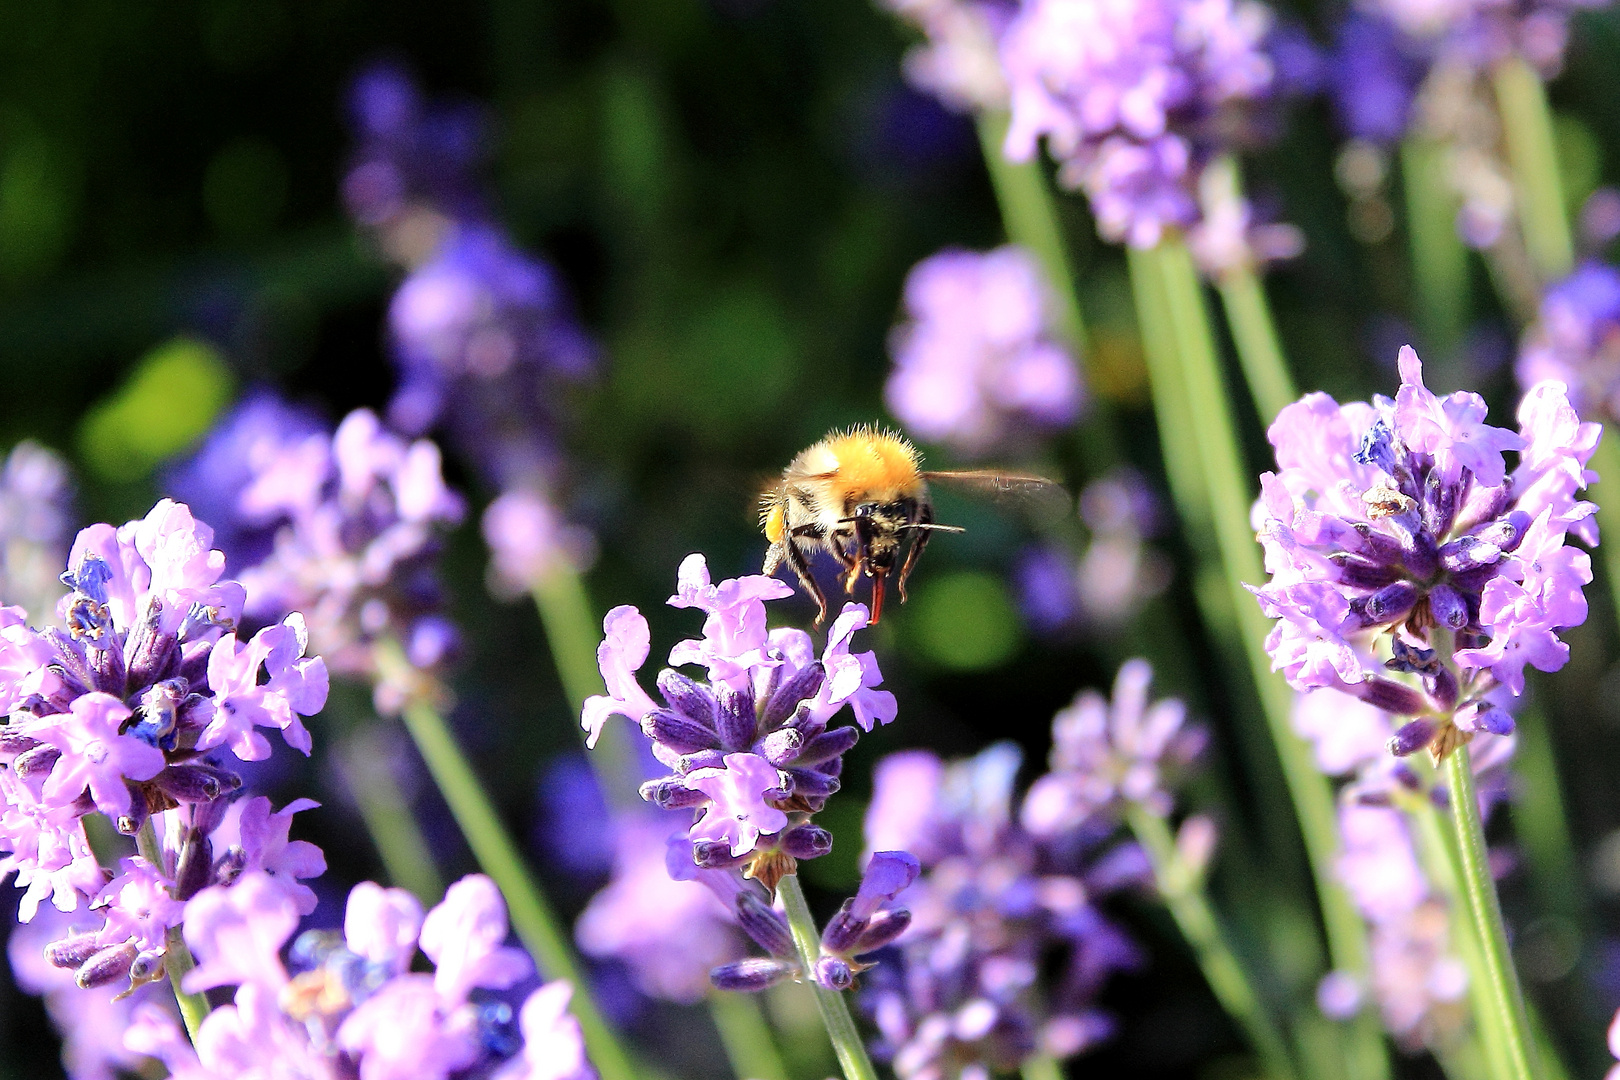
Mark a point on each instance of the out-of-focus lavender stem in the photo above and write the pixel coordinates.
(747, 1037)
(1184, 896)
(388, 817)
(1182, 359)
(1041, 1068)
(177, 959)
(1533, 152)
(1439, 260)
(572, 633)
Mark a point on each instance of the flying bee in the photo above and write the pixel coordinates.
(862, 495)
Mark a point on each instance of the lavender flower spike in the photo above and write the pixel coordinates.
(134, 709)
(1130, 97)
(1395, 530)
(751, 749)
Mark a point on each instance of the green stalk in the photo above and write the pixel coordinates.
(177, 958)
(846, 1040)
(1439, 260)
(572, 634)
(1606, 493)
(388, 818)
(1184, 896)
(536, 924)
(747, 1038)
(1504, 1000)
(1243, 298)
(1029, 214)
(1041, 1068)
(1192, 368)
(1527, 128)
(572, 631)
(1540, 821)
(1439, 857)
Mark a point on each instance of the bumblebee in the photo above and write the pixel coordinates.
(862, 495)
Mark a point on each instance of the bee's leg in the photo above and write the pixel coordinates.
(914, 549)
(801, 568)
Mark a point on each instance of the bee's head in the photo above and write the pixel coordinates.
(878, 529)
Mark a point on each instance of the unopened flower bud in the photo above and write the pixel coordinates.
(753, 974)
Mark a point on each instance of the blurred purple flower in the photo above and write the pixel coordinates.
(1576, 340)
(1133, 98)
(978, 363)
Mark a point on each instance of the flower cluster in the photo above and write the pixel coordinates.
(1007, 949)
(1395, 529)
(1134, 98)
(1576, 340)
(352, 1005)
(346, 524)
(133, 708)
(977, 362)
(752, 753)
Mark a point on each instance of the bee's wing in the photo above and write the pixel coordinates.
(997, 485)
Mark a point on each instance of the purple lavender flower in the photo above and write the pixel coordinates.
(977, 363)
(36, 493)
(483, 334)
(90, 1022)
(529, 540)
(1374, 74)
(352, 1006)
(957, 61)
(1133, 98)
(1576, 340)
(1116, 571)
(751, 749)
(355, 518)
(1108, 753)
(1390, 523)
(669, 930)
(995, 912)
(119, 713)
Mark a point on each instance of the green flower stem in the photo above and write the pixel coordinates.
(536, 924)
(572, 634)
(388, 818)
(846, 1040)
(1532, 151)
(1503, 999)
(1439, 857)
(177, 959)
(1606, 493)
(1189, 366)
(1181, 886)
(1243, 298)
(572, 631)
(1540, 821)
(1041, 1068)
(1439, 260)
(747, 1038)
(1029, 214)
